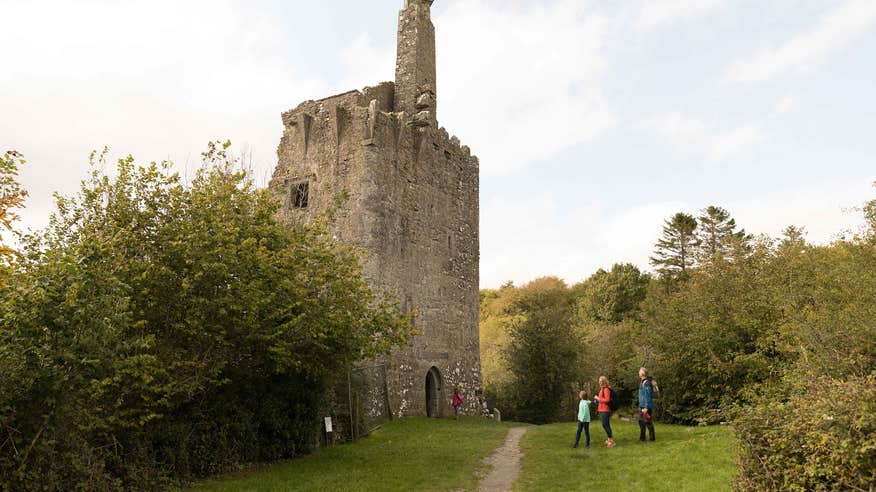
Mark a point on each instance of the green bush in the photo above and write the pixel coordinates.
(818, 431)
(711, 336)
(158, 331)
(821, 438)
(542, 355)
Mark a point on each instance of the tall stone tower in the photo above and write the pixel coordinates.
(411, 206)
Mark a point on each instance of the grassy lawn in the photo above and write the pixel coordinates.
(682, 459)
(410, 454)
(440, 455)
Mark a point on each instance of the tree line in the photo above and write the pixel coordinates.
(774, 335)
(160, 330)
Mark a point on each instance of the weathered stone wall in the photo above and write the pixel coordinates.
(411, 207)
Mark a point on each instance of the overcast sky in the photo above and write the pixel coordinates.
(593, 120)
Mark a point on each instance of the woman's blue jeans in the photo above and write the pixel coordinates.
(605, 417)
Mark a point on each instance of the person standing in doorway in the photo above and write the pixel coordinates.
(647, 389)
(583, 420)
(457, 402)
(603, 401)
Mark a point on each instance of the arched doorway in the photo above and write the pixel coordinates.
(433, 393)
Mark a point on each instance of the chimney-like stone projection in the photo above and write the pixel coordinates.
(415, 85)
(410, 205)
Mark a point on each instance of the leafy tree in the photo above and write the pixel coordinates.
(11, 198)
(869, 213)
(812, 427)
(828, 293)
(543, 353)
(159, 330)
(711, 336)
(674, 251)
(717, 235)
(614, 350)
(611, 296)
(496, 320)
(794, 236)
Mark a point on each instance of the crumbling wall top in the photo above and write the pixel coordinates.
(425, 2)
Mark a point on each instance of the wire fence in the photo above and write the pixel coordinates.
(363, 405)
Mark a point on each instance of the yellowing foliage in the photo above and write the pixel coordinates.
(11, 197)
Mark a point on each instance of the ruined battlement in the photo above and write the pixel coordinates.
(380, 126)
(410, 205)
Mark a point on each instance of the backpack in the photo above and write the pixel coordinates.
(613, 402)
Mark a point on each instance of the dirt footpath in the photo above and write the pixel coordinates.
(505, 463)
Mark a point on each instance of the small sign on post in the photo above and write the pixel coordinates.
(329, 439)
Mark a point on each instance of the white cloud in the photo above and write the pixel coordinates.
(824, 210)
(628, 236)
(521, 84)
(692, 136)
(659, 13)
(366, 65)
(804, 51)
(155, 78)
(785, 104)
(531, 238)
(546, 239)
(536, 236)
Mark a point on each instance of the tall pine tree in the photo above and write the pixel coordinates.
(717, 235)
(674, 253)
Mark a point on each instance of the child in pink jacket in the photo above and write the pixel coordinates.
(457, 402)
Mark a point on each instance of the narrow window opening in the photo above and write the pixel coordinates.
(300, 194)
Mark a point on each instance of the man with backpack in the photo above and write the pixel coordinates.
(647, 390)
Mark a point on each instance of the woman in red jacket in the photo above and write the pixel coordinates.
(604, 409)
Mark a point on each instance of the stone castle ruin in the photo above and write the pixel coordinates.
(411, 207)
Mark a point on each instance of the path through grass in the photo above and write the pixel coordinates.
(422, 454)
(682, 459)
(411, 454)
